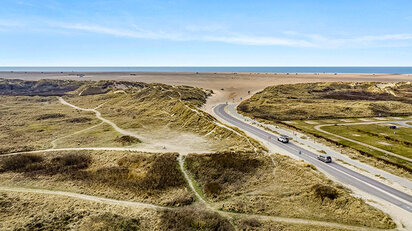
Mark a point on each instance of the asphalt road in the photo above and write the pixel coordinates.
(334, 169)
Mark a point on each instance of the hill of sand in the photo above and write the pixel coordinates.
(236, 86)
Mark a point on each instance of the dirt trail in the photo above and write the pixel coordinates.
(157, 207)
(99, 116)
(84, 197)
(189, 181)
(54, 144)
(86, 149)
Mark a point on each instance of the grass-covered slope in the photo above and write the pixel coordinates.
(255, 184)
(144, 177)
(31, 116)
(330, 100)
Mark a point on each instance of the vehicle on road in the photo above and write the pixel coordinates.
(283, 139)
(325, 158)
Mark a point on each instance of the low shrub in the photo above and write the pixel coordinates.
(248, 223)
(212, 188)
(20, 162)
(50, 116)
(79, 120)
(60, 221)
(31, 164)
(193, 219)
(325, 191)
(78, 161)
(163, 173)
(127, 140)
(113, 222)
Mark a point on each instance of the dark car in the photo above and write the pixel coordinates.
(283, 139)
(325, 158)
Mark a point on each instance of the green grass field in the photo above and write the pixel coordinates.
(376, 135)
(379, 135)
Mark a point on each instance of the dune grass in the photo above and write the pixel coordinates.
(249, 183)
(153, 178)
(31, 123)
(329, 100)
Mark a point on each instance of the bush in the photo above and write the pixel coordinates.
(212, 188)
(127, 140)
(60, 221)
(250, 222)
(325, 191)
(50, 116)
(73, 161)
(79, 120)
(113, 222)
(222, 167)
(20, 162)
(193, 219)
(157, 172)
(163, 173)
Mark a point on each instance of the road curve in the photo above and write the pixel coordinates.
(334, 169)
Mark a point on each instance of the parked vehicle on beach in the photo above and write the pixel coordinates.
(325, 158)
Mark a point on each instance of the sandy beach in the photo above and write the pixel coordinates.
(232, 87)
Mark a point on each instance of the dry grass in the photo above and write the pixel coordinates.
(33, 122)
(252, 187)
(239, 182)
(146, 109)
(153, 178)
(329, 100)
(20, 211)
(193, 219)
(155, 107)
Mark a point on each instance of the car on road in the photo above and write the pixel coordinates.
(283, 139)
(325, 158)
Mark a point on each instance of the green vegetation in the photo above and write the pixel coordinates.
(303, 106)
(372, 134)
(248, 183)
(329, 100)
(398, 141)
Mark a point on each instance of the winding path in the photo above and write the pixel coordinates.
(99, 116)
(108, 201)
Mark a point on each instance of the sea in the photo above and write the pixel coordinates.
(276, 69)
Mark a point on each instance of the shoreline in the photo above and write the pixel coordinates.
(228, 87)
(201, 73)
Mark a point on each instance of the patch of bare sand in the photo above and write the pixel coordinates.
(379, 118)
(311, 122)
(365, 120)
(175, 141)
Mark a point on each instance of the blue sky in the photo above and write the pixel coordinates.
(205, 33)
